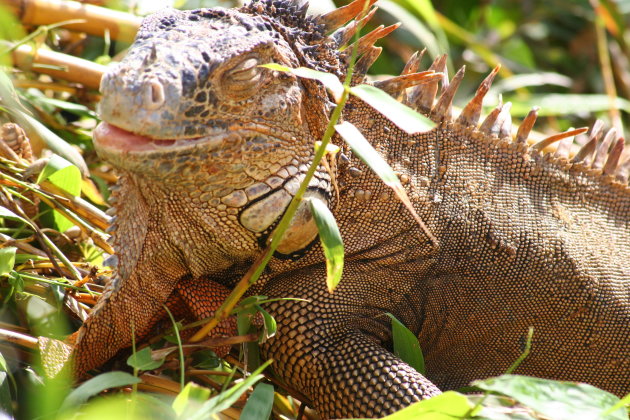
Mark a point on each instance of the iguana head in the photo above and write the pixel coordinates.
(190, 110)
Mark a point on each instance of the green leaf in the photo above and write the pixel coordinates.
(143, 360)
(7, 259)
(269, 323)
(66, 176)
(447, 406)
(189, 399)
(139, 406)
(406, 345)
(404, 117)
(259, 404)
(96, 385)
(331, 241)
(329, 80)
(556, 399)
(62, 174)
(226, 398)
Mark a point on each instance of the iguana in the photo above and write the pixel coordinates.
(211, 147)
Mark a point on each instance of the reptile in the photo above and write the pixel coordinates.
(211, 147)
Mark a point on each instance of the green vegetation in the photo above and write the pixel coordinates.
(569, 58)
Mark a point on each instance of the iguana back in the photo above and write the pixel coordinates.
(211, 149)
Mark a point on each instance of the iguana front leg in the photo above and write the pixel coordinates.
(129, 307)
(330, 348)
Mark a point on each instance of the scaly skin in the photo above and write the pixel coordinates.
(218, 148)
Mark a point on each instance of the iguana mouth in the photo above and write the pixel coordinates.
(110, 137)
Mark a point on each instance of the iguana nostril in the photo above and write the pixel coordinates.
(153, 94)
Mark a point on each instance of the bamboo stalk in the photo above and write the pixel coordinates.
(96, 20)
(58, 65)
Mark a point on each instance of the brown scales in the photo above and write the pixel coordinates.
(526, 238)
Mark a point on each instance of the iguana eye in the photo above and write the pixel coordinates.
(244, 77)
(245, 70)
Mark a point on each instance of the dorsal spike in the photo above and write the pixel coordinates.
(443, 108)
(395, 86)
(602, 150)
(526, 126)
(421, 97)
(564, 147)
(365, 62)
(368, 40)
(585, 152)
(543, 144)
(504, 122)
(471, 113)
(490, 121)
(613, 157)
(413, 64)
(342, 36)
(334, 19)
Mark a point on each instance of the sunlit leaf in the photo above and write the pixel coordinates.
(406, 345)
(141, 406)
(189, 399)
(63, 174)
(331, 241)
(404, 117)
(259, 403)
(7, 260)
(66, 176)
(269, 323)
(556, 399)
(330, 81)
(447, 406)
(95, 386)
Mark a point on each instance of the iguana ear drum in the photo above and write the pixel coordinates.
(302, 230)
(262, 215)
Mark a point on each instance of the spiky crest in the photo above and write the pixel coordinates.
(320, 39)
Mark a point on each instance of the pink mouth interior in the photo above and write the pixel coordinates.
(109, 136)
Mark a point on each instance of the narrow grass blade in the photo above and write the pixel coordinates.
(331, 241)
(404, 117)
(364, 150)
(406, 345)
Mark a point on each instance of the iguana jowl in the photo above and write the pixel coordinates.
(211, 148)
